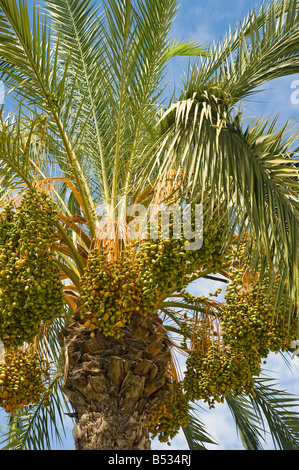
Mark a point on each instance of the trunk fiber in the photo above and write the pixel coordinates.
(113, 384)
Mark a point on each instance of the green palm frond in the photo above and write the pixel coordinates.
(253, 167)
(195, 433)
(279, 410)
(247, 423)
(266, 419)
(31, 68)
(263, 157)
(262, 47)
(121, 67)
(14, 144)
(21, 150)
(78, 27)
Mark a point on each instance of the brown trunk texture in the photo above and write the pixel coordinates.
(113, 384)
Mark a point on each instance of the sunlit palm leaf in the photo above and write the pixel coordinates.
(262, 47)
(253, 167)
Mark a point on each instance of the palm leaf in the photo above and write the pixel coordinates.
(121, 66)
(279, 410)
(262, 47)
(195, 432)
(247, 423)
(31, 68)
(253, 168)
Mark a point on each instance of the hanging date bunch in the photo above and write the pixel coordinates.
(211, 376)
(251, 318)
(212, 368)
(168, 263)
(251, 327)
(24, 379)
(111, 291)
(30, 288)
(113, 287)
(169, 415)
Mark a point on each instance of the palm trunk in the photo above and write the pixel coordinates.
(113, 384)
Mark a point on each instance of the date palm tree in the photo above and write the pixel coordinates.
(92, 149)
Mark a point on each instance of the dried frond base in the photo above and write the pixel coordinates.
(114, 383)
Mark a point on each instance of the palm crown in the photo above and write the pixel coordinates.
(93, 130)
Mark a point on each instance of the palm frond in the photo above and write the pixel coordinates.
(122, 49)
(253, 168)
(262, 47)
(30, 67)
(195, 432)
(247, 423)
(78, 29)
(278, 410)
(264, 158)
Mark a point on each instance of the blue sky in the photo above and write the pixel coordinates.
(207, 22)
